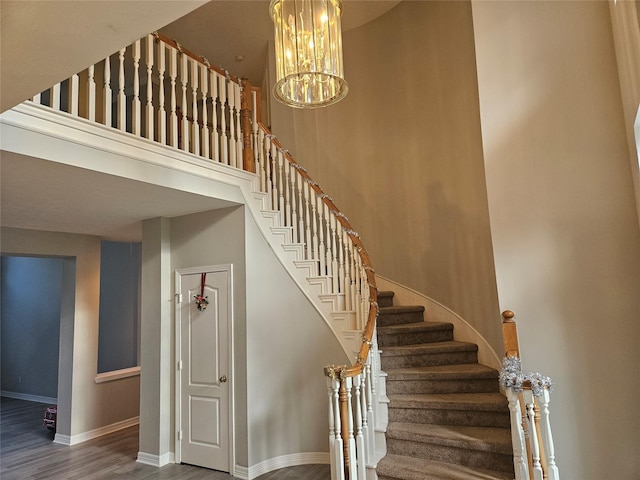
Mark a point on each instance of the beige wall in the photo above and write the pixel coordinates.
(563, 218)
(86, 406)
(402, 155)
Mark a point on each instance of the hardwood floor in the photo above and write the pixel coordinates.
(27, 452)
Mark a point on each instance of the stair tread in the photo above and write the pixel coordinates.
(493, 401)
(415, 327)
(444, 372)
(487, 439)
(401, 309)
(411, 468)
(434, 347)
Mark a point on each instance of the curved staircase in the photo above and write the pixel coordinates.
(447, 417)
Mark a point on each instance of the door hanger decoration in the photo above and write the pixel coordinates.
(201, 300)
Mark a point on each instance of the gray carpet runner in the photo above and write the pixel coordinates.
(447, 417)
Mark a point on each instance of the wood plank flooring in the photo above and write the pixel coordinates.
(27, 452)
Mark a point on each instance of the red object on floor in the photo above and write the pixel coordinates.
(50, 415)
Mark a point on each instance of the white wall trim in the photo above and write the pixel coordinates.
(155, 460)
(28, 397)
(117, 374)
(98, 432)
(305, 458)
(240, 472)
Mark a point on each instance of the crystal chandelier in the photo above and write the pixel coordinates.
(308, 43)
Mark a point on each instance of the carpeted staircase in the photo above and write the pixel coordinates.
(447, 417)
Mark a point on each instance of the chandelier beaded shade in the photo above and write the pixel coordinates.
(308, 44)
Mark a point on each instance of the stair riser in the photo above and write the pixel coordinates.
(415, 338)
(468, 417)
(399, 318)
(428, 359)
(442, 453)
(483, 385)
(385, 300)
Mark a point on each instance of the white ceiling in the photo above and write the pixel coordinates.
(43, 42)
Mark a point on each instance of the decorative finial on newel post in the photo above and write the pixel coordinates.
(510, 334)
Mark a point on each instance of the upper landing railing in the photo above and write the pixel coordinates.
(158, 90)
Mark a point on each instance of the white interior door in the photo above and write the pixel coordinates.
(204, 394)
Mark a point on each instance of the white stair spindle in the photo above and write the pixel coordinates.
(517, 437)
(195, 130)
(224, 141)
(547, 439)
(321, 246)
(149, 114)
(294, 205)
(287, 192)
(358, 294)
(353, 473)
(231, 99)
(280, 201)
(55, 97)
(338, 452)
(332, 428)
(204, 88)
(74, 94)
(313, 198)
(91, 94)
(107, 99)
(348, 246)
(270, 168)
(215, 101)
(369, 410)
(536, 469)
(239, 144)
(260, 164)
(173, 115)
(135, 106)
(335, 281)
(162, 114)
(37, 99)
(122, 98)
(184, 126)
(340, 240)
(359, 425)
(300, 183)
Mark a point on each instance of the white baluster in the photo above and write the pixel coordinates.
(135, 106)
(54, 101)
(371, 431)
(308, 221)
(74, 88)
(184, 78)
(91, 94)
(294, 205)
(224, 139)
(214, 109)
(173, 115)
(122, 98)
(239, 144)
(359, 421)
(37, 98)
(348, 246)
(547, 439)
(270, 167)
(351, 439)
(162, 114)
(301, 217)
(287, 192)
(204, 87)
(231, 99)
(334, 254)
(517, 437)
(106, 93)
(195, 131)
(280, 200)
(313, 198)
(149, 115)
(321, 246)
(341, 275)
(536, 468)
(338, 453)
(358, 294)
(332, 428)
(260, 165)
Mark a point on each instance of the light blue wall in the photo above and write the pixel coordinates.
(118, 341)
(30, 325)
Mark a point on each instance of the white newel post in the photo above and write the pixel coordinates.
(338, 448)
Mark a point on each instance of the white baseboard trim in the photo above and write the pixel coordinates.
(29, 397)
(98, 432)
(291, 460)
(156, 460)
(241, 472)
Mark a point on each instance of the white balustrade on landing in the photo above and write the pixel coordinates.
(156, 90)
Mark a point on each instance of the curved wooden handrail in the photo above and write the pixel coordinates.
(356, 368)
